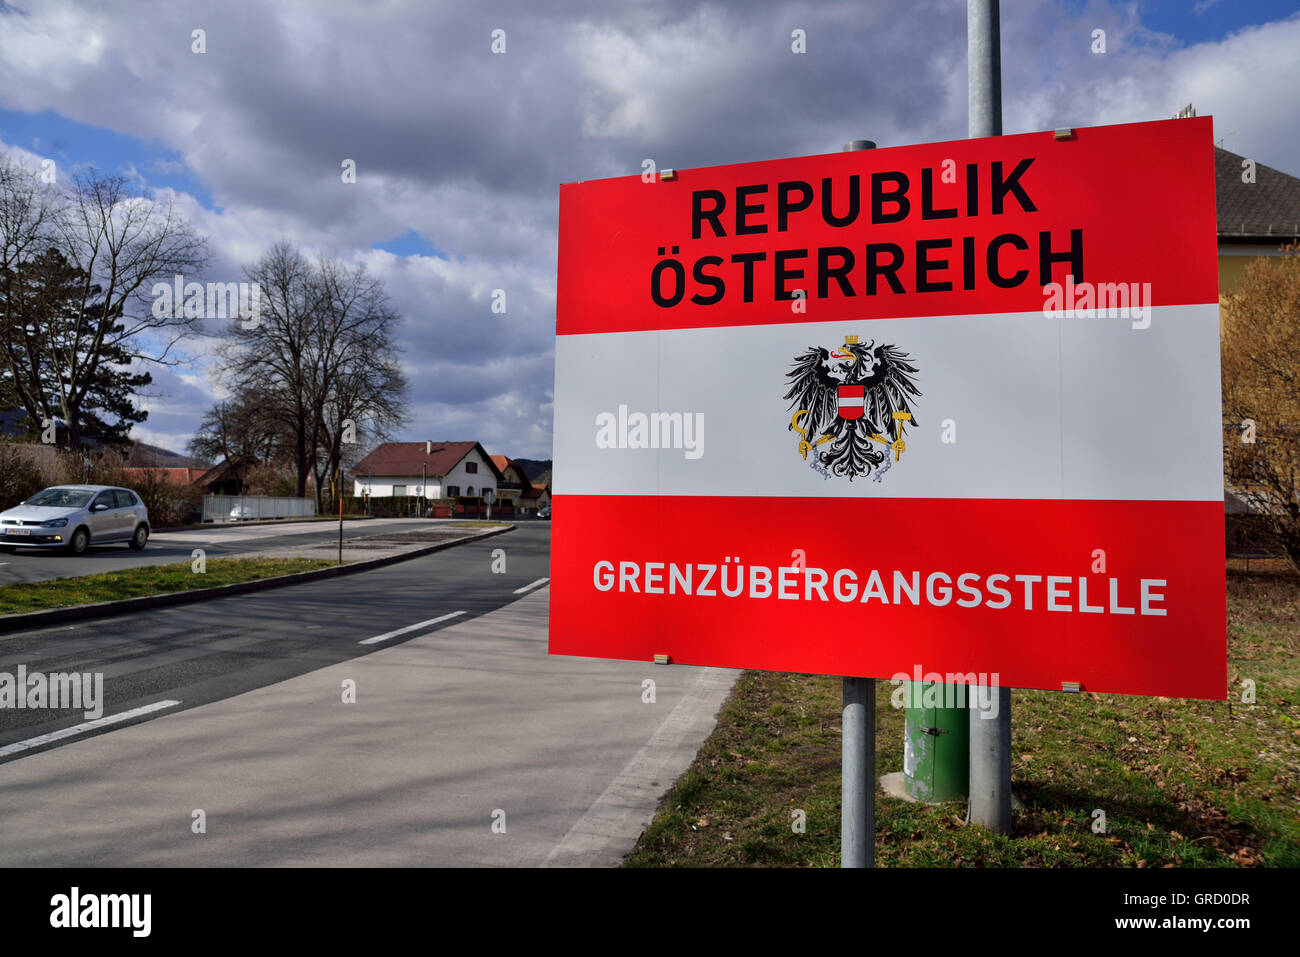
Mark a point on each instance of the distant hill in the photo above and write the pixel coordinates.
(144, 455)
(13, 425)
(533, 467)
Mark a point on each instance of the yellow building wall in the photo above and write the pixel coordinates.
(1232, 268)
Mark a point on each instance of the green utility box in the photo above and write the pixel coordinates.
(936, 745)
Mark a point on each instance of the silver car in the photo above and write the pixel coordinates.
(74, 517)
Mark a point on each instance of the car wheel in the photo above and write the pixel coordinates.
(140, 537)
(78, 543)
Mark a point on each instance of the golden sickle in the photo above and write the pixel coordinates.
(794, 424)
(805, 446)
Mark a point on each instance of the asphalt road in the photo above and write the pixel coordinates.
(467, 744)
(210, 650)
(169, 547)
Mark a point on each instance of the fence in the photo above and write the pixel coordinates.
(219, 508)
(413, 506)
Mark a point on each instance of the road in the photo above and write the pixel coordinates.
(30, 565)
(455, 719)
(210, 650)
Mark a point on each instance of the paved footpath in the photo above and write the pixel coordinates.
(451, 732)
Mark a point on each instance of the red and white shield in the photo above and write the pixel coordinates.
(853, 399)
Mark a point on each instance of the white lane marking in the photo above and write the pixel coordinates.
(401, 631)
(530, 587)
(84, 727)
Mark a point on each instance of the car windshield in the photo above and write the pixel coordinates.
(61, 498)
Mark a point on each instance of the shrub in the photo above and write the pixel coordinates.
(20, 474)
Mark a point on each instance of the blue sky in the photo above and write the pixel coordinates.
(73, 144)
(1210, 19)
(460, 152)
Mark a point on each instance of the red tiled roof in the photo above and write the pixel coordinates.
(405, 459)
(168, 475)
(505, 465)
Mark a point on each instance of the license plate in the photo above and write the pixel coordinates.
(17, 531)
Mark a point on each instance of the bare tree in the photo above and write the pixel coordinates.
(71, 336)
(243, 429)
(324, 353)
(359, 386)
(274, 358)
(122, 242)
(29, 212)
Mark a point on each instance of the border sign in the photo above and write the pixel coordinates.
(953, 406)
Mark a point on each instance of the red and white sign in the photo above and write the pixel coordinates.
(953, 406)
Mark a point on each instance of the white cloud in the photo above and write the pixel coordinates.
(467, 149)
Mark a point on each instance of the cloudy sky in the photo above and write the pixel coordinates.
(459, 151)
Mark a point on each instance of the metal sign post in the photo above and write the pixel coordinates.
(990, 738)
(858, 774)
(858, 743)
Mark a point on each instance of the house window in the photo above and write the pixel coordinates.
(399, 490)
(453, 491)
(471, 467)
(470, 490)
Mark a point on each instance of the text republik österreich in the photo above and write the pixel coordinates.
(925, 264)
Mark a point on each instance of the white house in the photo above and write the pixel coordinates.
(428, 469)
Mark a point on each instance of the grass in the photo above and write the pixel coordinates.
(1182, 783)
(148, 580)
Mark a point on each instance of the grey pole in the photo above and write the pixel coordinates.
(990, 738)
(857, 774)
(858, 741)
(984, 68)
(990, 766)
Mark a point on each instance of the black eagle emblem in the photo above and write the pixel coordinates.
(852, 404)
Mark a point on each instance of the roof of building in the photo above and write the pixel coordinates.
(172, 476)
(227, 470)
(406, 459)
(1265, 210)
(505, 465)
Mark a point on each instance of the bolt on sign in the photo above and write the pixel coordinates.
(955, 404)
